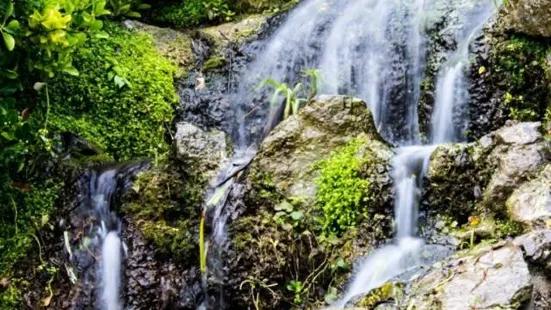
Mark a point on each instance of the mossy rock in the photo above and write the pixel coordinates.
(173, 44)
(165, 204)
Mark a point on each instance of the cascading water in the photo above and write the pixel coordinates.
(410, 163)
(451, 88)
(376, 50)
(102, 244)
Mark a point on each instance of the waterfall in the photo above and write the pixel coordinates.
(111, 271)
(451, 87)
(98, 259)
(103, 186)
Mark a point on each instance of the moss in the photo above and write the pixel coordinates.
(214, 63)
(343, 194)
(166, 206)
(123, 98)
(389, 291)
(520, 62)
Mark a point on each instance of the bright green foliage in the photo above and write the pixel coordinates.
(127, 8)
(122, 101)
(342, 193)
(185, 13)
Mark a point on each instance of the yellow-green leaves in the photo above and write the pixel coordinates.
(8, 31)
(9, 41)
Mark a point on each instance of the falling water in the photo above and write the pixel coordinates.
(451, 88)
(374, 51)
(110, 271)
(102, 189)
(410, 163)
(98, 258)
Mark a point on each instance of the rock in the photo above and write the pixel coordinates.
(536, 246)
(172, 44)
(530, 204)
(493, 279)
(236, 32)
(514, 165)
(530, 17)
(484, 173)
(521, 134)
(208, 149)
(329, 122)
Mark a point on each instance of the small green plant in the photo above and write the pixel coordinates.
(295, 97)
(289, 214)
(127, 8)
(297, 289)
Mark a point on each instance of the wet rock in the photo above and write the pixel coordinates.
(489, 279)
(208, 149)
(329, 122)
(513, 166)
(530, 204)
(531, 17)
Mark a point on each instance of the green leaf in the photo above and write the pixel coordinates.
(8, 135)
(13, 25)
(101, 35)
(9, 41)
(9, 12)
(133, 14)
(71, 71)
(297, 215)
(96, 25)
(144, 6)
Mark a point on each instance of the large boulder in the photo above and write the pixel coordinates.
(279, 240)
(530, 204)
(530, 17)
(484, 173)
(173, 44)
(485, 279)
(328, 123)
(207, 151)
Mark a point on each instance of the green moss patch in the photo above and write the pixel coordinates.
(123, 98)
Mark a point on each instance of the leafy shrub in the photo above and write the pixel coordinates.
(187, 13)
(122, 101)
(342, 192)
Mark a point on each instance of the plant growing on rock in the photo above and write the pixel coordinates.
(295, 97)
(342, 193)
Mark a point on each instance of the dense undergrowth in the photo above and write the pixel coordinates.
(186, 13)
(74, 71)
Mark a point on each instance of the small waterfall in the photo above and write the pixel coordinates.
(449, 120)
(409, 166)
(103, 187)
(111, 271)
(411, 163)
(98, 258)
